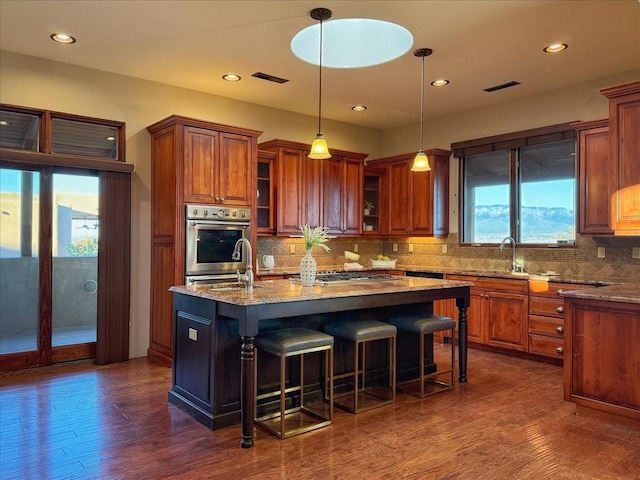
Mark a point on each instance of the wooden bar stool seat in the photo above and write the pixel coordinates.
(427, 384)
(293, 416)
(373, 393)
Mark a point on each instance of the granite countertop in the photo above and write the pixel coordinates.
(282, 291)
(579, 279)
(626, 293)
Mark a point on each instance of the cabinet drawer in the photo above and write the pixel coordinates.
(493, 284)
(546, 325)
(548, 346)
(549, 306)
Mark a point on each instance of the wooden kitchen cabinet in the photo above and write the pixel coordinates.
(596, 178)
(418, 202)
(192, 161)
(546, 320)
(498, 314)
(374, 187)
(602, 359)
(217, 168)
(624, 152)
(317, 192)
(265, 202)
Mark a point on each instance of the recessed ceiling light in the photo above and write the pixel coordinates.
(441, 82)
(555, 47)
(62, 38)
(4, 123)
(344, 39)
(110, 139)
(359, 108)
(231, 77)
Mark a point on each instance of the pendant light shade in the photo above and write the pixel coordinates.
(421, 161)
(319, 148)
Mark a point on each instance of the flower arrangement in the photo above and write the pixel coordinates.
(315, 237)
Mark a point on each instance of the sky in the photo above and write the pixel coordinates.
(10, 182)
(539, 194)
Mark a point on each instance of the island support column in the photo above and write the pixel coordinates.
(246, 400)
(462, 304)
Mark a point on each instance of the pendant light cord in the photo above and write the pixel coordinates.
(422, 104)
(320, 84)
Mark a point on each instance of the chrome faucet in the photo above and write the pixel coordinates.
(247, 277)
(515, 266)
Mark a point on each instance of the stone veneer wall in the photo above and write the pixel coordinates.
(579, 260)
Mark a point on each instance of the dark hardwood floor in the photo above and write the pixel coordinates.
(82, 421)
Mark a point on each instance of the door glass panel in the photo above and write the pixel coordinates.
(76, 225)
(19, 213)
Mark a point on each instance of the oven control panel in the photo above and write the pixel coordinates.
(208, 212)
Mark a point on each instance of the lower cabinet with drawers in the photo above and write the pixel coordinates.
(546, 319)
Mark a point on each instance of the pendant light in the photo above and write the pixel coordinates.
(421, 161)
(319, 148)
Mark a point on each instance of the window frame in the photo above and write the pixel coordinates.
(512, 142)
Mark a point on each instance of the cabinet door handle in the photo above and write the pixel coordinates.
(559, 350)
(559, 329)
(222, 199)
(559, 291)
(217, 199)
(560, 309)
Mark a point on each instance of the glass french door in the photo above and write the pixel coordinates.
(48, 264)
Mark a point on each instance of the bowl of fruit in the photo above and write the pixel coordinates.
(382, 261)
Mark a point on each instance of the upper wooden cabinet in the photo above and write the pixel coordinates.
(624, 155)
(418, 202)
(217, 166)
(375, 201)
(596, 176)
(317, 192)
(265, 204)
(192, 161)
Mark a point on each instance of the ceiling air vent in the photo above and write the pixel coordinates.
(512, 83)
(271, 78)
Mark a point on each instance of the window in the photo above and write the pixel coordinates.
(523, 187)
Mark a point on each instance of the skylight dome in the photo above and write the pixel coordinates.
(352, 43)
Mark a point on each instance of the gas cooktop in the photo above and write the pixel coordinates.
(325, 278)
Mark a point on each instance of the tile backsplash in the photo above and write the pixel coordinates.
(577, 260)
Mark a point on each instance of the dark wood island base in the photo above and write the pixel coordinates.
(210, 327)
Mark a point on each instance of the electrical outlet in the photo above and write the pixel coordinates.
(411, 248)
(444, 248)
(635, 252)
(394, 247)
(193, 334)
(355, 247)
(601, 252)
(292, 248)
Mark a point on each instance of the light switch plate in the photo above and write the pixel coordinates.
(395, 247)
(292, 248)
(444, 248)
(355, 247)
(193, 334)
(601, 252)
(411, 248)
(635, 252)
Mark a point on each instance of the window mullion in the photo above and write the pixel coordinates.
(514, 195)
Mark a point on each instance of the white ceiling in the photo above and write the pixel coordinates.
(477, 44)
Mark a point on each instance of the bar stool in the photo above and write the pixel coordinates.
(360, 332)
(424, 325)
(287, 422)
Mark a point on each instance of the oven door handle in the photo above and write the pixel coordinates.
(195, 223)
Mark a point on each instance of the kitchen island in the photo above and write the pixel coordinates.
(211, 321)
(602, 354)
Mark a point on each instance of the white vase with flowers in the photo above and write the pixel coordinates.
(313, 237)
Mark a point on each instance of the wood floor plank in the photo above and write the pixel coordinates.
(83, 421)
